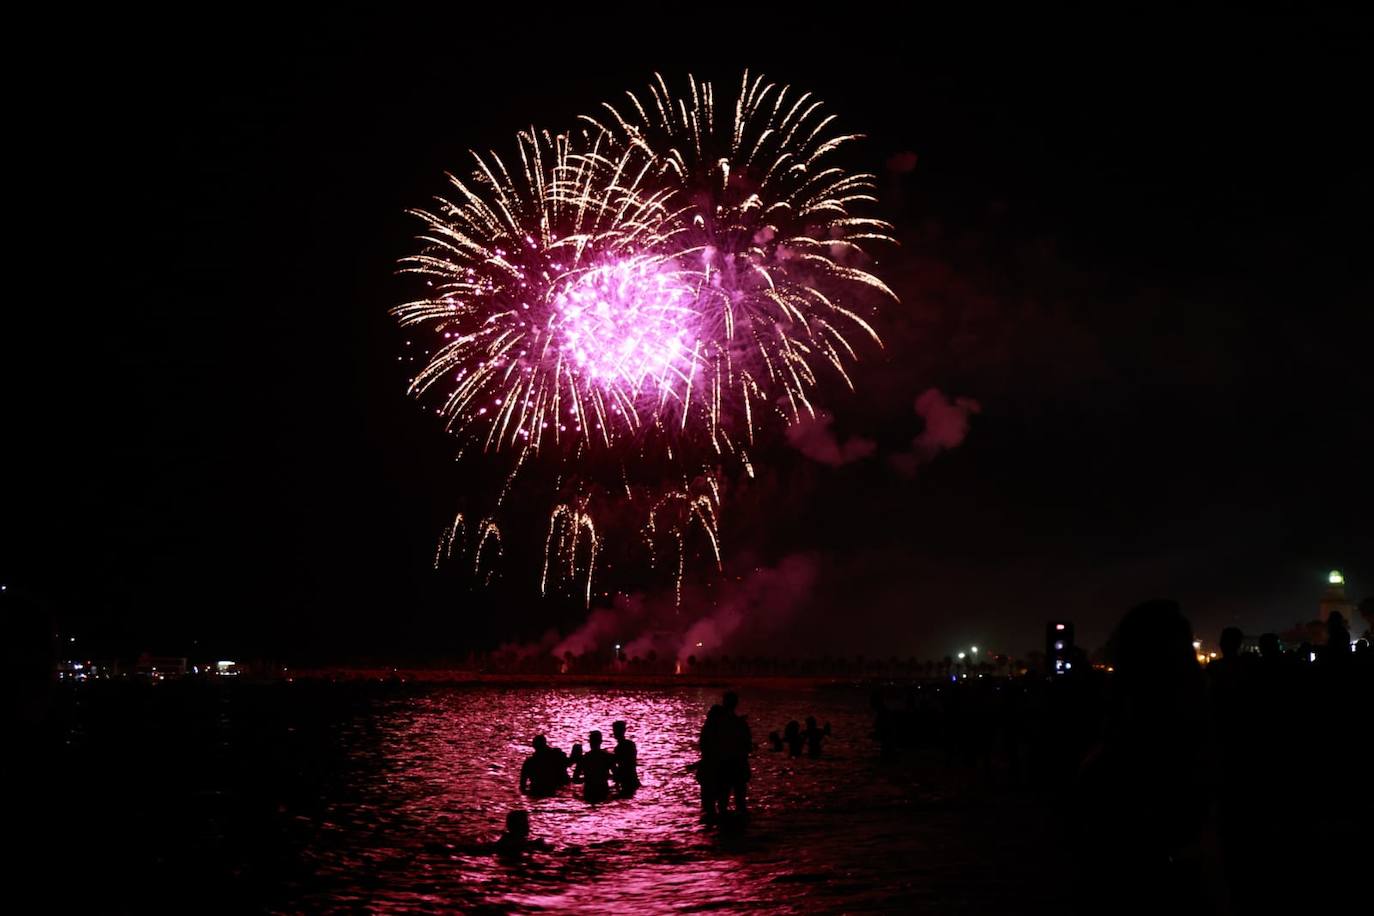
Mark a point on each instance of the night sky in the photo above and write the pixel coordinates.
(1142, 247)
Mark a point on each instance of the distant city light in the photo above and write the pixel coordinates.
(1197, 644)
(1335, 577)
(961, 655)
(1059, 626)
(975, 650)
(699, 645)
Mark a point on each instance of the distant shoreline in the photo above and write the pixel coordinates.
(400, 677)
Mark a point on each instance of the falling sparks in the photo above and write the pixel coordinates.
(649, 288)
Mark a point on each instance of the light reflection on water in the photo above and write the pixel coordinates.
(428, 774)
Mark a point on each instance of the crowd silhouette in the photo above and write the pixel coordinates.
(1178, 786)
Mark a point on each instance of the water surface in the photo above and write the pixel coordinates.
(371, 798)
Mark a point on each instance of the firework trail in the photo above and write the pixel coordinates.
(617, 311)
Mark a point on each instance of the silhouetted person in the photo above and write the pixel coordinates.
(597, 766)
(792, 734)
(1337, 639)
(736, 747)
(1231, 640)
(1271, 650)
(575, 761)
(814, 735)
(712, 745)
(626, 773)
(775, 741)
(544, 771)
(516, 838)
(1241, 715)
(1144, 792)
(1227, 675)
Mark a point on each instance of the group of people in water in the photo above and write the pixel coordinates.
(547, 769)
(722, 771)
(794, 737)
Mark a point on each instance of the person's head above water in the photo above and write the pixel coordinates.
(618, 728)
(518, 822)
(540, 742)
(730, 700)
(595, 738)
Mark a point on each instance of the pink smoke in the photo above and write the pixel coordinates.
(759, 604)
(813, 437)
(946, 426)
(747, 609)
(530, 649)
(603, 627)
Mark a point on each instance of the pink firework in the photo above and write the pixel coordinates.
(624, 308)
(630, 327)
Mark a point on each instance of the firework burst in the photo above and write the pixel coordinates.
(767, 230)
(646, 291)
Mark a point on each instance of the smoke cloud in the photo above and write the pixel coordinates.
(814, 438)
(604, 626)
(734, 614)
(946, 426)
(760, 604)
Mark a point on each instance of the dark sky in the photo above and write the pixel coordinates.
(1142, 246)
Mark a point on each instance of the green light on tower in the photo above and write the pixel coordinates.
(1335, 577)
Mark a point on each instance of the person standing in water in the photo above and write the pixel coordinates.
(738, 745)
(545, 770)
(709, 766)
(575, 761)
(814, 734)
(597, 766)
(626, 772)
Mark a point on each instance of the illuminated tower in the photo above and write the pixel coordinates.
(1059, 646)
(1335, 600)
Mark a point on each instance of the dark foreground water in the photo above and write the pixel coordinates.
(368, 798)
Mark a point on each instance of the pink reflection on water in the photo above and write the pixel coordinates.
(433, 773)
(467, 749)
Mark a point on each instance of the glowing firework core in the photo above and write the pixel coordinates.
(627, 326)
